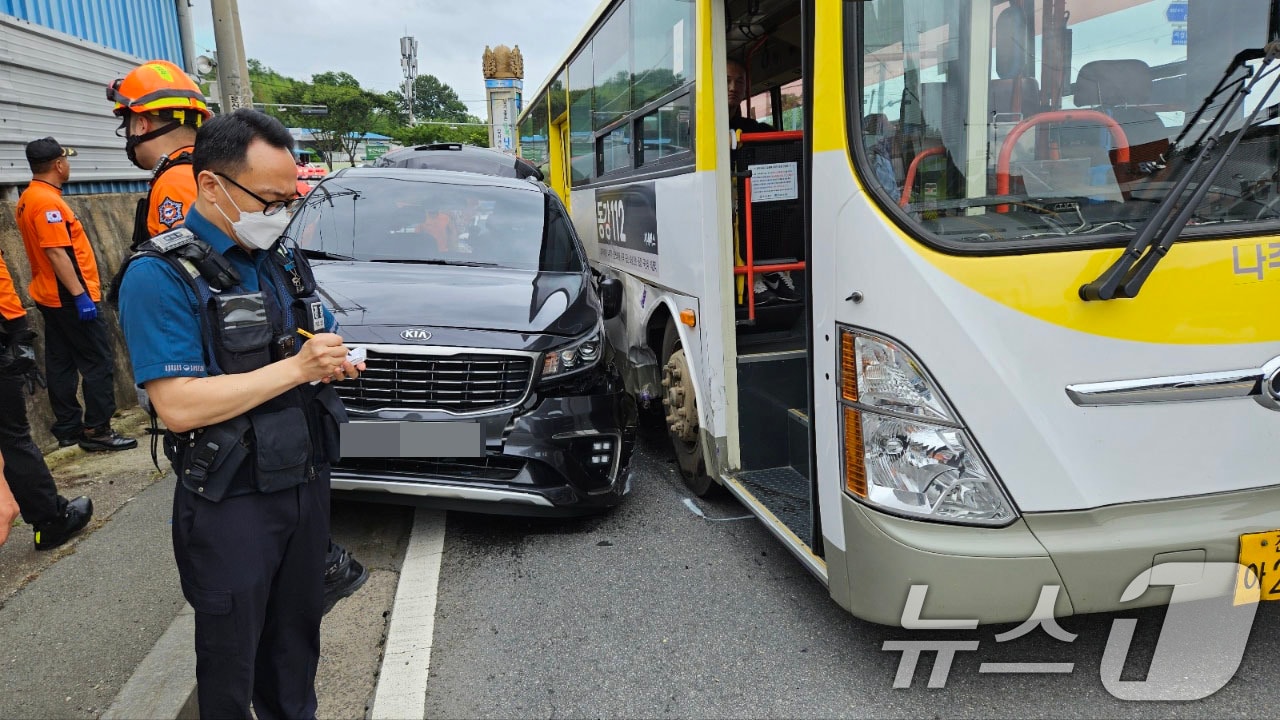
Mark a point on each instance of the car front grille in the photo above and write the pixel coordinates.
(464, 383)
(491, 468)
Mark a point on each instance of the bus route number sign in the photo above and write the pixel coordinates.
(627, 227)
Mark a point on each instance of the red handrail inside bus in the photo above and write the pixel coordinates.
(772, 135)
(1006, 150)
(750, 268)
(911, 172)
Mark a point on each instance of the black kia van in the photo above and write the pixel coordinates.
(489, 384)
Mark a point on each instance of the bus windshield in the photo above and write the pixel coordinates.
(1047, 123)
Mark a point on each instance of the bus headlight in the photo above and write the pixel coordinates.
(930, 470)
(905, 451)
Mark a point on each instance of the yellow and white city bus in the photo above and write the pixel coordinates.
(980, 295)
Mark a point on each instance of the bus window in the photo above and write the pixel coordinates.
(582, 150)
(760, 108)
(793, 106)
(615, 149)
(662, 42)
(534, 130)
(612, 71)
(1013, 124)
(666, 131)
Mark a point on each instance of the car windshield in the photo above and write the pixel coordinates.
(394, 220)
(1044, 123)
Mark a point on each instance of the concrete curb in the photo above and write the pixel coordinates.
(164, 683)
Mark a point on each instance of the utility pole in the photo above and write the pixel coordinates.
(233, 68)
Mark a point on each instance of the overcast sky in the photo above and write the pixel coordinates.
(299, 39)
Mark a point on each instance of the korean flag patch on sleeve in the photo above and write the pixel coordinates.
(53, 217)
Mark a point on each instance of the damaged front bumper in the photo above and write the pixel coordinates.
(565, 451)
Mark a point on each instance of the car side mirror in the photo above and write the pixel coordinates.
(611, 297)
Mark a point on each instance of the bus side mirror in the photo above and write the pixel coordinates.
(611, 297)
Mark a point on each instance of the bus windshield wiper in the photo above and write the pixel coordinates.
(1127, 274)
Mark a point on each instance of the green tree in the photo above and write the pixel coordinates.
(335, 79)
(351, 114)
(432, 133)
(271, 87)
(434, 100)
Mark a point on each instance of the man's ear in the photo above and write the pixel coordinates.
(207, 184)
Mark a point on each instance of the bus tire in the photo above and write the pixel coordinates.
(681, 416)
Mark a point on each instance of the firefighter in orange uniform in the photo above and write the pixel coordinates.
(160, 109)
(65, 288)
(30, 488)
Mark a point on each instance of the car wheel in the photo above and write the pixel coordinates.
(681, 407)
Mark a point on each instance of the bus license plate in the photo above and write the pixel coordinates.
(1260, 558)
(412, 439)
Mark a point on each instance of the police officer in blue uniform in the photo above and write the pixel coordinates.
(236, 352)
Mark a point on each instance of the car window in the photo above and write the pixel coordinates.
(395, 220)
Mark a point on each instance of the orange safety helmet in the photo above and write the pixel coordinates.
(159, 86)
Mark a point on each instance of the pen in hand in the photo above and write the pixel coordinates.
(355, 356)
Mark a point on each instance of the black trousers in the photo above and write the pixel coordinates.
(24, 465)
(252, 567)
(75, 350)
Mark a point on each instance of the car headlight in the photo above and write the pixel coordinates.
(574, 357)
(905, 450)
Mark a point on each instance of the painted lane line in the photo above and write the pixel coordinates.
(402, 682)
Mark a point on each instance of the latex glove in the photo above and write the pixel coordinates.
(84, 305)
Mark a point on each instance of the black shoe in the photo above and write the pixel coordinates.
(67, 442)
(52, 533)
(783, 286)
(764, 296)
(109, 440)
(343, 576)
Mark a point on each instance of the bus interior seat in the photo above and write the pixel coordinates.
(1015, 94)
(884, 150)
(1120, 88)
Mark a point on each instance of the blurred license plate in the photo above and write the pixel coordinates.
(412, 439)
(1260, 556)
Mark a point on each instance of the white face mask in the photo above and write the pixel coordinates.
(255, 229)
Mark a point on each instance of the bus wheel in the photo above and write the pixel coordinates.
(680, 404)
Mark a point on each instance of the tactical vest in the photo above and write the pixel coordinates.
(280, 443)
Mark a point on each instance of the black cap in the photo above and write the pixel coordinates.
(46, 149)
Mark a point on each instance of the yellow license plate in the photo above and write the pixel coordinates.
(1259, 578)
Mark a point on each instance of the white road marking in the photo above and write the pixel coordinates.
(402, 683)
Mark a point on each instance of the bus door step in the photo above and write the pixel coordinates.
(787, 494)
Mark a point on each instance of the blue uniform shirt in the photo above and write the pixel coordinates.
(160, 315)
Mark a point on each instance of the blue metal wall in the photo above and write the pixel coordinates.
(147, 29)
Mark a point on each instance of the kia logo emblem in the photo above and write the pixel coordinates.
(416, 334)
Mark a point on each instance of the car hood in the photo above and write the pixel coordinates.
(466, 298)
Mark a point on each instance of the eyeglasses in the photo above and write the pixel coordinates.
(269, 207)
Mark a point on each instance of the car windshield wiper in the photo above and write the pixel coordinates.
(324, 255)
(414, 261)
(322, 194)
(1127, 274)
